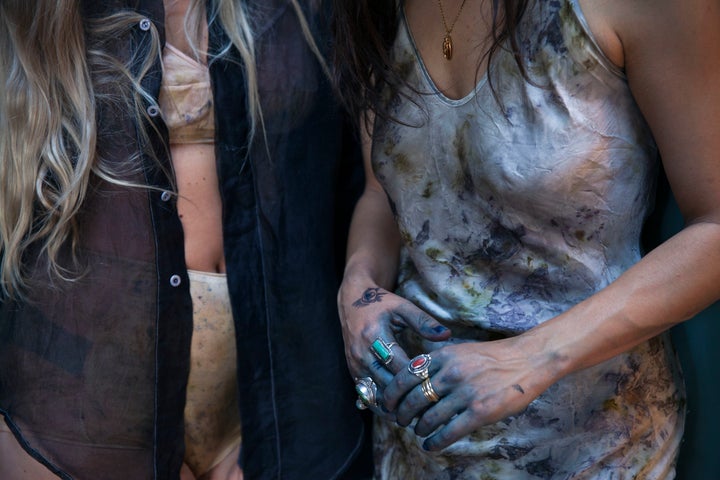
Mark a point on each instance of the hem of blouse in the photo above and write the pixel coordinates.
(606, 62)
(37, 456)
(452, 102)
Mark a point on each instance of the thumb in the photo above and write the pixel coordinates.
(424, 324)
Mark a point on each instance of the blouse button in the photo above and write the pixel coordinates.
(165, 196)
(175, 280)
(153, 110)
(144, 24)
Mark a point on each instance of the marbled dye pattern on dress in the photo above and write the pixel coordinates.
(512, 212)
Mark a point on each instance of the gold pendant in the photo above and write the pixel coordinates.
(447, 47)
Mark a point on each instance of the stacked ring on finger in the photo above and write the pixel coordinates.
(420, 366)
(383, 350)
(367, 393)
(429, 391)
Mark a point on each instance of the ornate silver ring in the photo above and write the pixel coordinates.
(367, 392)
(420, 365)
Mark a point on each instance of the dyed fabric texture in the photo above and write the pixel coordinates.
(185, 98)
(212, 417)
(512, 210)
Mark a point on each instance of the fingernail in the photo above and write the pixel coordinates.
(439, 329)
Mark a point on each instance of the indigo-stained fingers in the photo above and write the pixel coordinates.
(416, 370)
(379, 373)
(369, 397)
(388, 353)
(439, 414)
(461, 425)
(421, 322)
(417, 401)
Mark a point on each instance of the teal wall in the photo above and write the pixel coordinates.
(698, 345)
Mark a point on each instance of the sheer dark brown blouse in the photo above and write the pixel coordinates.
(93, 372)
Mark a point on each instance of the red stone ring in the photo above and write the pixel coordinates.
(420, 365)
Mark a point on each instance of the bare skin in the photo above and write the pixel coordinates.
(666, 49)
(199, 204)
(16, 462)
(200, 209)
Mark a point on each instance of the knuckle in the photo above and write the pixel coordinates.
(368, 331)
(405, 382)
(412, 404)
(424, 319)
(478, 408)
(453, 374)
(426, 423)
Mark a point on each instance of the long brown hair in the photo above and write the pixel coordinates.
(365, 31)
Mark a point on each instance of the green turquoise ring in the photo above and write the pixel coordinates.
(383, 350)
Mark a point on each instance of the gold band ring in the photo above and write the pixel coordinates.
(429, 391)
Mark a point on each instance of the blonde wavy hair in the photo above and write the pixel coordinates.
(52, 85)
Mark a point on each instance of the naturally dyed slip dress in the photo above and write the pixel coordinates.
(511, 211)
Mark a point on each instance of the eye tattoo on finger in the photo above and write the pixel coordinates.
(369, 296)
(519, 388)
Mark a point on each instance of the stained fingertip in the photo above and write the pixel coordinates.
(436, 332)
(402, 423)
(421, 430)
(431, 444)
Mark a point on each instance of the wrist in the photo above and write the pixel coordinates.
(547, 362)
(361, 274)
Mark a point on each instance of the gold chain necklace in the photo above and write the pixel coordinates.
(447, 44)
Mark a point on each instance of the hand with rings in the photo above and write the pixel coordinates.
(370, 317)
(458, 388)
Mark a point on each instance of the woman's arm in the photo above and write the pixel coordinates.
(670, 50)
(367, 309)
(670, 53)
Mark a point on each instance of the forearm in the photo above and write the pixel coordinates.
(671, 284)
(373, 244)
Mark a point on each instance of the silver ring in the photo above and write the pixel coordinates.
(429, 391)
(420, 366)
(367, 391)
(383, 350)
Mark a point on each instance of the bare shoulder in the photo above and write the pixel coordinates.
(629, 31)
(670, 51)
